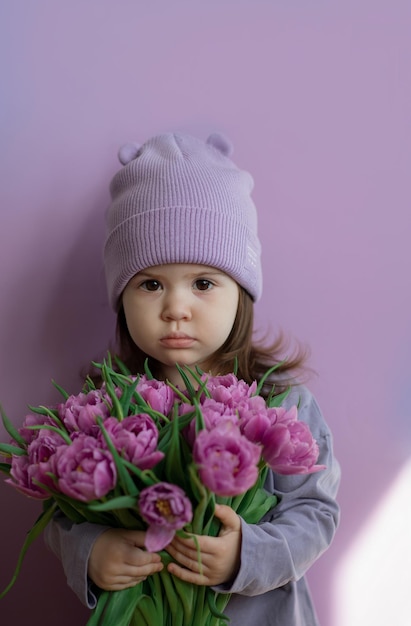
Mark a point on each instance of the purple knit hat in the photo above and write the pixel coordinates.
(181, 200)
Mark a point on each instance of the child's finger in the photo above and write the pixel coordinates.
(228, 517)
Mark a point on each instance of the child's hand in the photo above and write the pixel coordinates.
(117, 560)
(220, 556)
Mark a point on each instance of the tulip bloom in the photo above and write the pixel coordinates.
(214, 414)
(157, 394)
(228, 389)
(135, 438)
(84, 471)
(288, 445)
(166, 508)
(255, 418)
(23, 473)
(227, 461)
(79, 413)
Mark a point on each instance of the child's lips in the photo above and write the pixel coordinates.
(177, 340)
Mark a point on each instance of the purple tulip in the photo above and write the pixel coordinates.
(79, 413)
(44, 446)
(166, 508)
(28, 471)
(29, 434)
(254, 418)
(23, 474)
(135, 438)
(228, 389)
(288, 445)
(226, 460)
(157, 394)
(84, 471)
(40, 451)
(214, 414)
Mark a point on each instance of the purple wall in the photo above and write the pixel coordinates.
(315, 97)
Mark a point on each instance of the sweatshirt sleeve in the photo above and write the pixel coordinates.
(72, 544)
(287, 541)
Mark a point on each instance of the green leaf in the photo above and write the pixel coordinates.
(122, 502)
(157, 594)
(145, 476)
(118, 411)
(12, 431)
(148, 612)
(117, 607)
(61, 390)
(205, 499)
(200, 425)
(178, 458)
(254, 504)
(165, 433)
(53, 415)
(277, 400)
(7, 449)
(221, 601)
(123, 369)
(183, 398)
(147, 371)
(69, 510)
(202, 384)
(211, 601)
(60, 431)
(35, 531)
(186, 381)
(127, 396)
(43, 410)
(89, 385)
(98, 611)
(179, 594)
(5, 468)
(266, 375)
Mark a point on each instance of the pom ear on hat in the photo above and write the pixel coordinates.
(221, 143)
(128, 152)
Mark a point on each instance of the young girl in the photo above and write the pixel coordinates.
(182, 261)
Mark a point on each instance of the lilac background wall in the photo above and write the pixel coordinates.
(316, 97)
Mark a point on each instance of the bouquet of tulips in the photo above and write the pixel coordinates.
(142, 454)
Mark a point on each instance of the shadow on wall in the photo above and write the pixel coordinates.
(69, 323)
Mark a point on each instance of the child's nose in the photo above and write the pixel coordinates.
(176, 307)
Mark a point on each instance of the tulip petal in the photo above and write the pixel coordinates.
(158, 537)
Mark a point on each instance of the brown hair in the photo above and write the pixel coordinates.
(253, 358)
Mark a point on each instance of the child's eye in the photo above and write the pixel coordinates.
(151, 285)
(202, 284)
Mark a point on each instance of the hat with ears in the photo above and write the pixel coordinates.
(179, 199)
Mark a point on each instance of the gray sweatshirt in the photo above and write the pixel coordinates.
(270, 588)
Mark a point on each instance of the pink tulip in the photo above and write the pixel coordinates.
(226, 460)
(29, 434)
(84, 471)
(228, 389)
(166, 508)
(214, 413)
(157, 394)
(254, 418)
(288, 445)
(22, 475)
(79, 413)
(135, 438)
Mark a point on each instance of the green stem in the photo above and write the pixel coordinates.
(35, 531)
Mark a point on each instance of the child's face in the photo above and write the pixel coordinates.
(180, 313)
